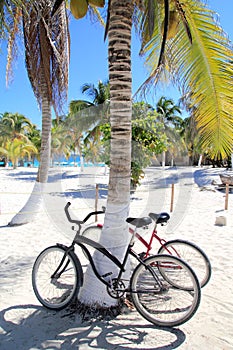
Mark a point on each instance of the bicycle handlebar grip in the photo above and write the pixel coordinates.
(68, 204)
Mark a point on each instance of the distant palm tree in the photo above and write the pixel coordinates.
(14, 125)
(61, 140)
(169, 115)
(168, 112)
(34, 136)
(14, 149)
(87, 116)
(99, 94)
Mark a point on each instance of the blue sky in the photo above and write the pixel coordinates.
(88, 64)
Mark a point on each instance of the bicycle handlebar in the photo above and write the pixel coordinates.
(79, 222)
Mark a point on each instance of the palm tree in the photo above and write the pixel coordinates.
(203, 68)
(17, 148)
(14, 125)
(34, 136)
(61, 140)
(115, 231)
(168, 115)
(168, 112)
(85, 115)
(99, 94)
(47, 66)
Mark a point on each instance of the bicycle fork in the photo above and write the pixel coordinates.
(57, 274)
(159, 285)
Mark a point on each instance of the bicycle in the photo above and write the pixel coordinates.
(186, 250)
(162, 293)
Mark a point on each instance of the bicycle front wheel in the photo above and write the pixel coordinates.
(159, 299)
(56, 277)
(192, 254)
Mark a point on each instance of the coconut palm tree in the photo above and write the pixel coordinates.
(14, 125)
(47, 62)
(115, 230)
(168, 112)
(85, 115)
(203, 68)
(169, 116)
(99, 94)
(61, 140)
(34, 136)
(15, 149)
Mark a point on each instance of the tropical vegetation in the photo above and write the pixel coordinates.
(180, 40)
(17, 138)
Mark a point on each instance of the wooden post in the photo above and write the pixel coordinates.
(227, 196)
(172, 198)
(96, 200)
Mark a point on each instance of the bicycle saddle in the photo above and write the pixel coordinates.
(139, 222)
(159, 218)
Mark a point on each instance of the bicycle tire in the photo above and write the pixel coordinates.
(168, 306)
(56, 293)
(192, 254)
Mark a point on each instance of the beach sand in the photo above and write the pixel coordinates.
(25, 324)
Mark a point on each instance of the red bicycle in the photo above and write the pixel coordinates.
(180, 248)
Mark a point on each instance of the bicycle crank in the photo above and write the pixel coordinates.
(117, 289)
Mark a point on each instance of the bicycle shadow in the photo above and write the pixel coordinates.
(32, 327)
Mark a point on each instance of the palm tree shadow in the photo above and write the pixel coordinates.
(30, 326)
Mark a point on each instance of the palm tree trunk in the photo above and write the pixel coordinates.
(115, 234)
(163, 159)
(34, 202)
(45, 153)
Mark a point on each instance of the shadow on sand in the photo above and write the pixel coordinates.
(31, 327)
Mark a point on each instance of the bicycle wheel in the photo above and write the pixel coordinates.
(159, 301)
(56, 278)
(192, 254)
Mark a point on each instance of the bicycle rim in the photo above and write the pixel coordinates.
(193, 255)
(55, 292)
(159, 301)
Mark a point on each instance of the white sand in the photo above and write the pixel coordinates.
(24, 324)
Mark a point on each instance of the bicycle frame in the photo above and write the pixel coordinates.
(81, 241)
(148, 245)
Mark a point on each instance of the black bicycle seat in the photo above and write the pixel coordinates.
(159, 218)
(139, 222)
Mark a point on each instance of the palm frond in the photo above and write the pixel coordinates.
(165, 30)
(47, 51)
(180, 10)
(203, 69)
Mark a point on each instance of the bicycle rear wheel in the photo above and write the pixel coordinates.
(56, 277)
(157, 299)
(192, 254)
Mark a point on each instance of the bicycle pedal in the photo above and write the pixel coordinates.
(129, 304)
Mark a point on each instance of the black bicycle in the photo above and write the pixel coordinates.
(164, 289)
